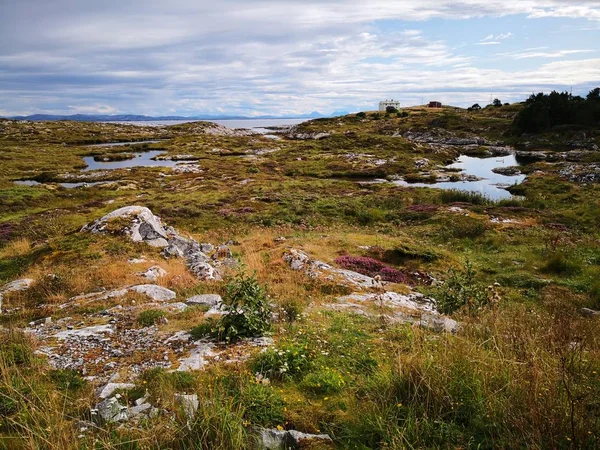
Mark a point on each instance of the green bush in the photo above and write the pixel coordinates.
(461, 291)
(150, 317)
(325, 381)
(263, 405)
(181, 381)
(247, 309)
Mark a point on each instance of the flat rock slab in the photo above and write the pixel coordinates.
(97, 330)
(156, 293)
(414, 301)
(209, 300)
(197, 359)
(272, 439)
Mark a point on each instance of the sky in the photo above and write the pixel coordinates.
(287, 57)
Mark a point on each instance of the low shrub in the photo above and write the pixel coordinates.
(461, 227)
(595, 295)
(325, 381)
(16, 354)
(447, 196)
(263, 405)
(247, 311)
(461, 290)
(150, 317)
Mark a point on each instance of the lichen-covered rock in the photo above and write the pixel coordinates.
(156, 293)
(210, 300)
(143, 226)
(109, 411)
(154, 273)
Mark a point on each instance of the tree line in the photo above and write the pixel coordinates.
(543, 112)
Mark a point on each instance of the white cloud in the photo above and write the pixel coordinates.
(528, 54)
(255, 56)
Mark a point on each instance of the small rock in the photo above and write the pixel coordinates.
(207, 248)
(210, 300)
(154, 273)
(108, 390)
(590, 312)
(271, 439)
(189, 404)
(110, 410)
(156, 293)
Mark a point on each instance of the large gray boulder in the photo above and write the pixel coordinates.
(14, 286)
(142, 225)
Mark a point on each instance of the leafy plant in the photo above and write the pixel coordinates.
(150, 317)
(247, 311)
(262, 405)
(461, 290)
(325, 381)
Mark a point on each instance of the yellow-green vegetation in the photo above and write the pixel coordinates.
(521, 371)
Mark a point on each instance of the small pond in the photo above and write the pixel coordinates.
(491, 183)
(142, 159)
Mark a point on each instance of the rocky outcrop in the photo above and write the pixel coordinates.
(272, 439)
(220, 130)
(188, 403)
(140, 225)
(371, 295)
(14, 286)
(581, 173)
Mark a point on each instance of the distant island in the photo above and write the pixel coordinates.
(143, 118)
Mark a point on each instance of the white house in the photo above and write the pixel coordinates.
(384, 104)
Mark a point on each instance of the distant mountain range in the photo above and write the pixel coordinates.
(142, 118)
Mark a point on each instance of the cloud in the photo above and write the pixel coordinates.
(253, 56)
(528, 54)
(490, 39)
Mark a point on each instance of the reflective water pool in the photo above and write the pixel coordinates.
(143, 159)
(491, 184)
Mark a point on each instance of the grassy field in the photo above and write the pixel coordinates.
(522, 371)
